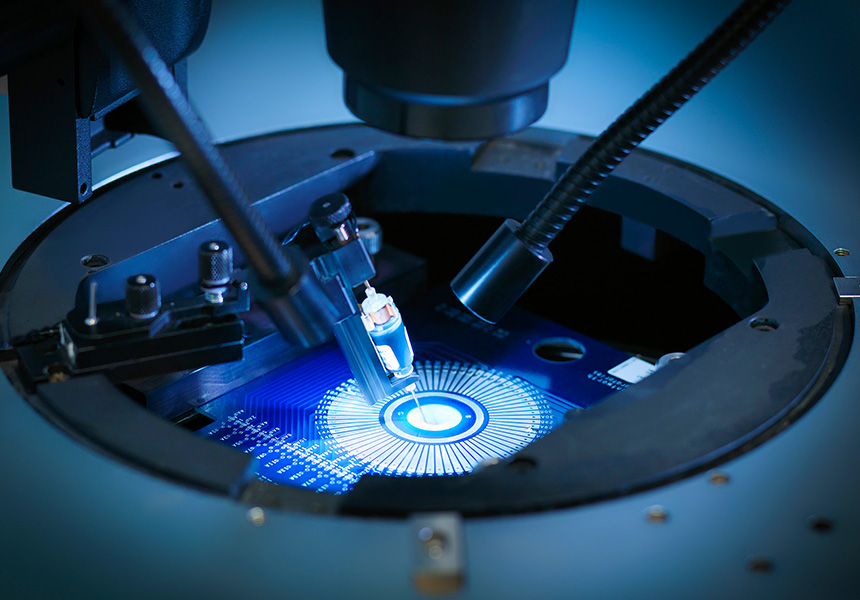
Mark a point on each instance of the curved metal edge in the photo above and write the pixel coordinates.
(433, 490)
(682, 420)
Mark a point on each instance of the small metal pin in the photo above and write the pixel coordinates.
(92, 318)
(257, 516)
(421, 409)
(342, 233)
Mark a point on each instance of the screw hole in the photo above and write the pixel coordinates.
(522, 464)
(764, 324)
(178, 184)
(559, 350)
(343, 153)
(759, 564)
(84, 188)
(61, 82)
(718, 478)
(57, 372)
(842, 252)
(656, 514)
(157, 175)
(95, 261)
(820, 524)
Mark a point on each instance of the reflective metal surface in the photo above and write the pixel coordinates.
(781, 121)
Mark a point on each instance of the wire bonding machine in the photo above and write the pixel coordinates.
(343, 361)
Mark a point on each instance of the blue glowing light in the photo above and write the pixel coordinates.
(468, 414)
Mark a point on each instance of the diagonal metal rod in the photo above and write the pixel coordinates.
(172, 114)
(288, 290)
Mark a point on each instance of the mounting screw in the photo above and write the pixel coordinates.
(434, 543)
(656, 514)
(439, 553)
(257, 516)
(57, 373)
(718, 478)
(142, 296)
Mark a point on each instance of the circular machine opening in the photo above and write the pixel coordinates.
(684, 266)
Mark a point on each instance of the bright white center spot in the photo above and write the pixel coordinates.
(439, 417)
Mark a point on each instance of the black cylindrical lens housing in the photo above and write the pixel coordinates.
(448, 69)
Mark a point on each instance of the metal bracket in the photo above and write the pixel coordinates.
(188, 333)
(847, 287)
(439, 552)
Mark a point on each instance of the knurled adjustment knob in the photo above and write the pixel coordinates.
(330, 210)
(370, 232)
(215, 262)
(142, 296)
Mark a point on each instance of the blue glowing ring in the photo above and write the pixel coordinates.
(395, 417)
(477, 414)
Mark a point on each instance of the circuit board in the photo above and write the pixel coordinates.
(483, 394)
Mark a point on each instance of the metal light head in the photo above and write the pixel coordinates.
(502, 270)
